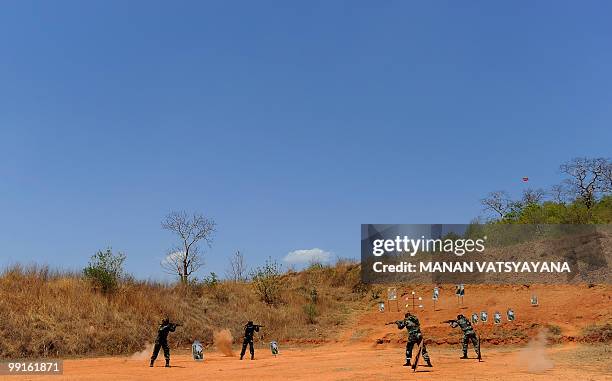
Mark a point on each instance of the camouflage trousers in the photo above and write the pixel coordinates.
(464, 343)
(410, 345)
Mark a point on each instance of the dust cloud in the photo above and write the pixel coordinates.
(223, 341)
(144, 354)
(534, 357)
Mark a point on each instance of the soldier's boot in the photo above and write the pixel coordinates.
(464, 356)
(407, 363)
(241, 356)
(167, 363)
(151, 364)
(428, 361)
(252, 357)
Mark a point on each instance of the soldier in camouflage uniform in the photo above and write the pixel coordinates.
(468, 335)
(162, 341)
(412, 325)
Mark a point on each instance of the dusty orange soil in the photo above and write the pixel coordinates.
(568, 307)
(368, 350)
(337, 362)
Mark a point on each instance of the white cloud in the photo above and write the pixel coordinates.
(173, 257)
(307, 256)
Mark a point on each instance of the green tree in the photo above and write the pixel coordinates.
(267, 281)
(105, 269)
(211, 281)
(311, 313)
(583, 198)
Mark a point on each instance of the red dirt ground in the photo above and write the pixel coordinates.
(369, 350)
(343, 362)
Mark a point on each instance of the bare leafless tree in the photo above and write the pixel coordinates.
(533, 196)
(607, 175)
(186, 257)
(558, 193)
(588, 178)
(498, 202)
(237, 270)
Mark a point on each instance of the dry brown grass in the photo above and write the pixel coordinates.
(45, 313)
(597, 333)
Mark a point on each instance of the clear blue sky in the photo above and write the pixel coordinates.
(289, 123)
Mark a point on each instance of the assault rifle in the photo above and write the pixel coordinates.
(393, 322)
(418, 354)
(477, 336)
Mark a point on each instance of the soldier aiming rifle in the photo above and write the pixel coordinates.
(468, 335)
(161, 340)
(249, 331)
(412, 325)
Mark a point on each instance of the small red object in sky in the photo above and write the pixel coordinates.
(525, 179)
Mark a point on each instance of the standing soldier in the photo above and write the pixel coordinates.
(249, 331)
(468, 335)
(162, 341)
(412, 325)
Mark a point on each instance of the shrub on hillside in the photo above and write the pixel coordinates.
(314, 296)
(210, 281)
(267, 281)
(310, 310)
(69, 317)
(553, 330)
(597, 333)
(105, 270)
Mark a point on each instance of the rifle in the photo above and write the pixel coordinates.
(392, 322)
(449, 321)
(418, 355)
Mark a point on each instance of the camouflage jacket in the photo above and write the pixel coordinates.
(412, 325)
(465, 326)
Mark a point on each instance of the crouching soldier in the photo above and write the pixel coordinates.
(412, 325)
(468, 335)
(249, 331)
(162, 341)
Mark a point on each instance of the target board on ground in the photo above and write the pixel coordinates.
(274, 347)
(197, 351)
(484, 316)
(475, 318)
(497, 317)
